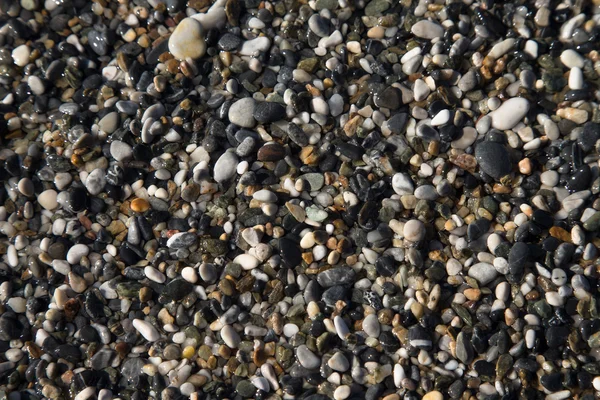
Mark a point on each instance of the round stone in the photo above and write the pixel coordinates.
(241, 113)
(187, 40)
(414, 230)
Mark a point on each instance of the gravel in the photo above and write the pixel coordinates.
(299, 200)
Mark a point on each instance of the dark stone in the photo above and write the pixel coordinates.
(493, 159)
(271, 152)
(333, 294)
(390, 97)
(297, 135)
(351, 151)
(589, 136)
(336, 276)
(398, 122)
(552, 382)
(517, 258)
(290, 252)
(177, 289)
(389, 342)
(477, 228)
(580, 179)
(386, 266)
(557, 335)
(268, 111)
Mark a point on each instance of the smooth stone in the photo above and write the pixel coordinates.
(336, 276)
(182, 240)
(147, 330)
(225, 167)
(338, 362)
(483, 272)
(109, 123)
(96, 181)
(402, 184)
(267, 112)
(20, 55)
(47, 199)
(307, 358)
(427, 29)
(241, 113)
(230, 336)
(414, 230)
(510, 113)
(390, 97)
(247, 261)
(493, 159)
(371, 326)
(187, 40)
(76, 253)
(259, 44)
(121, 151)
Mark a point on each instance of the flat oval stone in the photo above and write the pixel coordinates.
(268, 111)
(307, 358)
(427, 29)
(493, 159)
(225, 167)
(241, 113)
(146, 329)
(271, 152)
(510, 113)
(187, 40)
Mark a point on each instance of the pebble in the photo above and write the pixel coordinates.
(483, 272)
(20, 55)
(187, 40)
(307, 358)
(241, 113)
(225, 167)
(427, 30)
(121, 151)
(313, 200)
(48, 199)
(414, 230)
(487, 155)
(146, 329)
(510, 113)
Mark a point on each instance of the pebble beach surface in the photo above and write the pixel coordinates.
(299, 199)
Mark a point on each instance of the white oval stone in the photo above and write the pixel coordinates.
(371, 325)
(247, 261)
(76, 253)
(250, 47)
(427, 29)
(225, 166)
(146, 329)
(187, 40)
(483, 272)
(21, 54)
(414, 230)
(241, 113)
(570, 58)
(510, 113)
(230, 336)
(47, 199)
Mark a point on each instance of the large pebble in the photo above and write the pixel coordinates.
(483, 272)
(510, 113)
(241, 113)
(187, 40)
(225, 167)
(146, 329)
(427, 29)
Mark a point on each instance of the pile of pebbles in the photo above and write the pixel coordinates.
(365, 199)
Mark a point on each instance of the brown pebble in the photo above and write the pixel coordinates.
(271, 152)
(139, 205)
